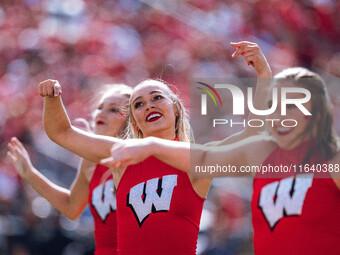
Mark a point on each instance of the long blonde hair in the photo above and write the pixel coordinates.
(322, 112)
(182, 126)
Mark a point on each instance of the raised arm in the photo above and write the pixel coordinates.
(254, 57)
(59, 129)
(70, 203)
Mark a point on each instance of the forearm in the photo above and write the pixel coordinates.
(230, 139)
(262, 89)
(55, 119)
(59, 129)
(187, 157)
(57, 196)
(218, 161)
(259, 102)
(176, 154)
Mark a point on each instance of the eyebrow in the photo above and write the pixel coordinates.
(152, 92)
(110, 104)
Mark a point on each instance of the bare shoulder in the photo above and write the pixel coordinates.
(336, 158)
(87, 168)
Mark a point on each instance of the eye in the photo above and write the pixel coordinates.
(270, 103)
(114, 110)
(138, 104)
(291, 106)
(158, 97)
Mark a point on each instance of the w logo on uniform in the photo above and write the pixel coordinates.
(151, 197)
(285, 198)
(103, 200)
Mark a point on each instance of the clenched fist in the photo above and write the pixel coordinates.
(49, 88)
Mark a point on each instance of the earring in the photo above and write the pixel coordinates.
(177, 114)
(137, 128)
(178, 106)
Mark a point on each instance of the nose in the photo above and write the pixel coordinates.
(150, 104)
(100, 113)
(276, 115)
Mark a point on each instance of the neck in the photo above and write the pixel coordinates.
(163, 134)
(298, 144)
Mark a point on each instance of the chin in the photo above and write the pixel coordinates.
(283, 143)
(288, 145)
(156, 127)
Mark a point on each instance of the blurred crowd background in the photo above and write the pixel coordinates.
(87, 43)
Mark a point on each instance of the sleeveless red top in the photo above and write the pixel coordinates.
(158, 211)
(102, 203)
(295, 215)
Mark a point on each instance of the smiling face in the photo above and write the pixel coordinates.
(290, 137)
(318, 127)
(153, 111)
(109, 118)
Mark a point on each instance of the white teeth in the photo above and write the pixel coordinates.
(283, 129)
(154, 116)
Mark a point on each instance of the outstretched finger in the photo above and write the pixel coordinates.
(242, 43)
(11, 147)
(243, 49)
(17, 149)
(111, 162)
(17, 143)
(14, 150)
(107, 160)
(11, 157)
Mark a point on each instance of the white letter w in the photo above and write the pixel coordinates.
(154, 196)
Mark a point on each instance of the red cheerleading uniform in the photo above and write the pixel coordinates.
(294, 215)
(158, 211)
(102, 203)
